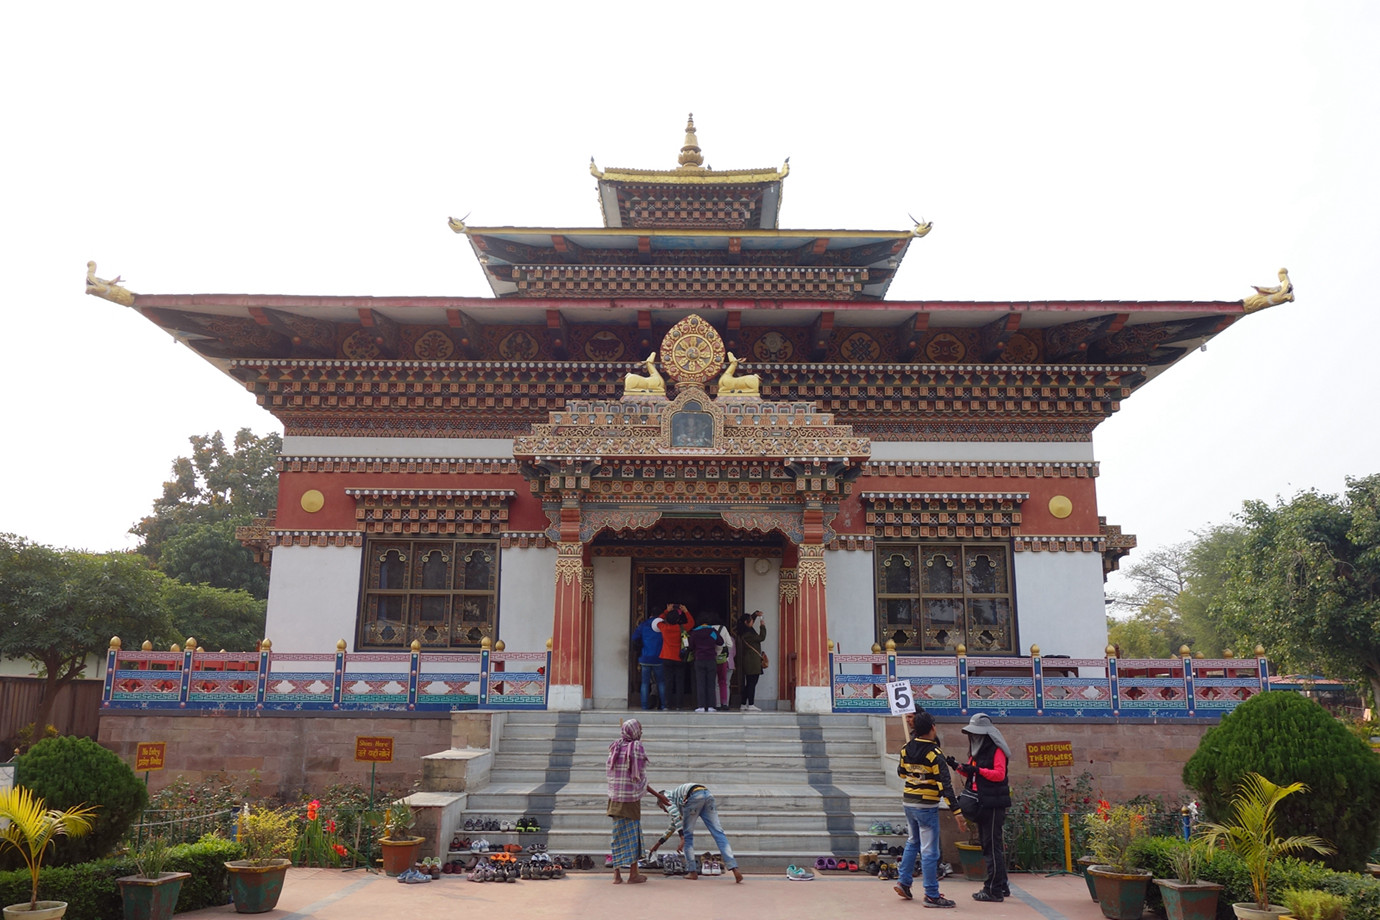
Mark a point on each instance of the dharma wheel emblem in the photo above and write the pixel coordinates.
(692, 351)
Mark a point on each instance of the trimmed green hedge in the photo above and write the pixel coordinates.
(91, 892)
(1361, 891)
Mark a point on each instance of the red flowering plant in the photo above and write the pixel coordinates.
(1112, 829)
(318, 844)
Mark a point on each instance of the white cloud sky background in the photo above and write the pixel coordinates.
(1063, 151)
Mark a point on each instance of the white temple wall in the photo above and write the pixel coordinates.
(848, 594)
(1060, 605)
(999, 451)
(526, 598)
(313, 597)
(763, 592)
(326, 446)
(612, 631)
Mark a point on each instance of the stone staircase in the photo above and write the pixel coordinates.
(789, 787)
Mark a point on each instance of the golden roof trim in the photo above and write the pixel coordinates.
(690, 175)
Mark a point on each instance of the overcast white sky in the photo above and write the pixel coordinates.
(1063, 151)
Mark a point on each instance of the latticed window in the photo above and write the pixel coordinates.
(933, 597)
(443, 593)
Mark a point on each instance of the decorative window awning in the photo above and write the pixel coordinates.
(431, 511)
(932, 515)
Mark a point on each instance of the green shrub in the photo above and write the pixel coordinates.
(1288, 738)
(67, 771)
(92, 893)
(1311, 904)
(1361, 891)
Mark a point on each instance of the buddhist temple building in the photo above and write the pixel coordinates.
(688, 404)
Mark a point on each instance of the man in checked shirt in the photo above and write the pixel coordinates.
(684, 804)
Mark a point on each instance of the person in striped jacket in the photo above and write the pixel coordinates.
(926, 775)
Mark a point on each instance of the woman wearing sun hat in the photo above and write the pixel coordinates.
(985, 773)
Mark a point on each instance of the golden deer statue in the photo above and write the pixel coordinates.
(730, 384)
(652, 385)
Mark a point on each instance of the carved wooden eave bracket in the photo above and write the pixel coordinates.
(1270, 296)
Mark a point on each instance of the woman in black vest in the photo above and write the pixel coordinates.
(985, 772)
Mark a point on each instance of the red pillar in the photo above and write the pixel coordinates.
(813, 617)
(567, 630)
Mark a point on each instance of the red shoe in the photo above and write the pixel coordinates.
(852, 866)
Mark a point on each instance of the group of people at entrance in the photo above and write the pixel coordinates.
(924, 768)
(678, 656)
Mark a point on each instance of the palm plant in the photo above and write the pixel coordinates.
(33, 828)
(1251, 833)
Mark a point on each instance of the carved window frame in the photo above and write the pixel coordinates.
(984, 621)
(454, 616)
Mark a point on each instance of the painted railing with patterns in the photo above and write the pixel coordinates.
(1051, 687)
(187, 678)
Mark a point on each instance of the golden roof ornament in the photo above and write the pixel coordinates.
(690, 157)
(634, 384)
(732, 384)
(1270, 296)
(108, 290)
(922, 227)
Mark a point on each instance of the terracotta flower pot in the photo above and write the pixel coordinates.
(399, 855)
(256, 889)
(1194, 901)
(971, 859)
(147, 898)
(1120, 895)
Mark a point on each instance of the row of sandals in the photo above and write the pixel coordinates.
(480, 845)
(523, 825)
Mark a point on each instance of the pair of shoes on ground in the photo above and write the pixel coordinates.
(829, 863)
(711, 865)
(748, 707)
(887, 871)
(927, 901)
(797, 874)
(710, 709)
(413, 877)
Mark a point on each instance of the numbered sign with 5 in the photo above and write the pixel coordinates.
(900, 696)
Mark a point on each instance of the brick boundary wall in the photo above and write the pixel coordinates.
(293, 752)
(306, 752)
(1126, 759)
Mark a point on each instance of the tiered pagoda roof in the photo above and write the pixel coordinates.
(577, 308)
(691, 231)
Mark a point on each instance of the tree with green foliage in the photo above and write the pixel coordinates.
(1153, 631)
(216, 618)
(1303, 580)
(59, 607)
(191, 532)
(1289, 738)
(70, 771)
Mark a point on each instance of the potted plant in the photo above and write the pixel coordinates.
(400, 847)
(31, 830)
(1120, 884)
(267, 836)
(1251, 835)
(1311, 904)
(1186, 896)
(152, 893)
(970, 857)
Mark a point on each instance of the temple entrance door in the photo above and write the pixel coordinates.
(711, 591)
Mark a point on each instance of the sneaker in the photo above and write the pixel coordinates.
(945, 870)
(796, 874)
(742, 708)
(701, 709)
(903, 891)
(753, 709)
(711, 709)
(985, 895)
(939, 901)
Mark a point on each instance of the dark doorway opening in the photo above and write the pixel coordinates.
(711, 592)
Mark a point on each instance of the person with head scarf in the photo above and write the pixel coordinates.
(985, 774)
(752, 632)
(627, 777)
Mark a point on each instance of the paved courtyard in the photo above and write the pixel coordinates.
(332, 894)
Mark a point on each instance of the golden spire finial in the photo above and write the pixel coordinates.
(690, 152)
